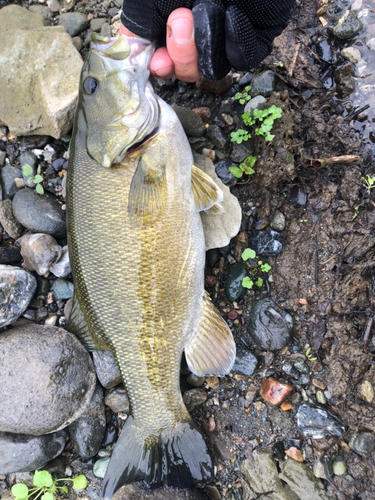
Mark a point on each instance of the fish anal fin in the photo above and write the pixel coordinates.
(211, 351)
(206, 192)
(78, 325)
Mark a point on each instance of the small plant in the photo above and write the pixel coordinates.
(309, 355)
(37, 179)
(46, 487)
(356, 209)
(266, 117)
(248, 253)
(244, 96)
(264, 267)
(246, 167)
(240, 135)
(369, 182)
(249, 283)
(303, 220)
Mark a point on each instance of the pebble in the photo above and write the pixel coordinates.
(297, 196)
(245, 363)
(16, 291)
(242, 151)
(117, 399)
(21, 453)
(348, 25)
(39, 213)
(87, 432)
(281, 419)
(261, 471)
(274, 392)
(228, 119)
(367, 391)
(100, 467)
(316, 422)
(263, 84)
(97, 24)
(215, 134)
(8, 176)
(371, 44)
(54, 5)
(10, 224)
(213, 382)
(74, 22)
(339, 467)
(191, 122)
(270, 327)
(62, 267)
(194, 380)
(222, 171)
(320, 397)
(301, 366)
(351, 54)
(194, 397)
(294, 453)
(40, 252)
(62, 289)
(266, 243)
(363, 443)
(209, 153)
(302, 481)
(278, 222)
(52, 389)
(318, 469)
(106, 368)
(233, 284)
(255, 103)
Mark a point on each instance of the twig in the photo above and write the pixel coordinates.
(324, 162)
(356, 113)
(291, 69)
(366, 335)
(312, 52)
(316, 263)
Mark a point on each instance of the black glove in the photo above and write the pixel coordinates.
(228, 33)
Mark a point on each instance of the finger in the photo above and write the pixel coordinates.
(161, 64)
(181, 45)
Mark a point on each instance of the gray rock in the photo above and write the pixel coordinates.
(262, 472)
(10, 224)
(74, 22)
(348, 25)
(97, 24)
(106, 369)
(41, 58)
(363, 443)
(266, 243)
(43, 10)
(2, 158)
(370, 44)
(270, 327)
(17, 288)
(62, 267)
(40, 251)
(87, 432)
(282, 419)
(217, 136)
(302, 481)
(194, 380)
(255, 103)
(8, 176)
(191, 122)
(28, 159)
(263, 84)
(245, 363)
(49, 391)
(100, 467)
(233, 284)
(105, 30)
(39, 213)
(317, 422)
(62, 289)
(222, 171)
(219, 229)
(9, 254)
(194, 397)
(242, 151)
(351, 54)
(21, 453)
(278, 222)
(54, 5)
(136, 492)
(117, 399)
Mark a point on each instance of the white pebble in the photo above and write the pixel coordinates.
(351, 54)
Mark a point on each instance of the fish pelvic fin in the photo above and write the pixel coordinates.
(206, 193)
(176, 457)
(211, 351)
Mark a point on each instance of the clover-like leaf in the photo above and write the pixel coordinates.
(38, 178)
(64, 489)
(42, 478)
(20, 491)
(27, 169)
(79, 482)
(265, 267)
(237, 172)
(259, 282)
(39, 189)
(248, 253)
(247, 282)
(47, 496)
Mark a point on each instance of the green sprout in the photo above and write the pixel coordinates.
(264, 267)
(303, 220)
(309, 355)
(369, 182)
(284, 194)
(46, 487)
(248, 253)
(266, 118)
(356, 209)
(37, 180)
(246, 167)
(240, 135)
(244, 96)
(247, 282)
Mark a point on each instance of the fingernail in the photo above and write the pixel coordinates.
(182, 31)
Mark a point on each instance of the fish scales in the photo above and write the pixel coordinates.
(137, 251)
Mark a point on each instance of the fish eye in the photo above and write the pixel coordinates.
(90, 85)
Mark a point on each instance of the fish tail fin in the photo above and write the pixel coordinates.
(176, 457)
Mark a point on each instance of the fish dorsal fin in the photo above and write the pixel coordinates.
(77, 325)
(206, 192)
(211, 351)
(147, 193)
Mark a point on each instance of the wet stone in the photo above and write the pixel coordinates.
(87, 432)
(222, 171)
(39, 214)
(263, 84)
(62, 289)
(16, 291)
(100, 467)
(301, 366)
(194, 397)
(106, 369)
(9, 254)
(297, 196)
(320, 397)
(281, 418)
(316, 422)
(348, 25)
(255, 103)
(194, 380)
(22, 453)
(191, 122)
(266, 243)
(262, 472)
(62, 267)
(10, 224)
(278, 222)
(242, 151)
(270, 327)
(97, 24)
(351, 54)
(117, 399)
(363, 443)
(302, 481)
(110, 436)
(8, 176)
(245, 363)
(274, 392)
(74, 22)
(233, 284)
(40, 252)
(215, 134)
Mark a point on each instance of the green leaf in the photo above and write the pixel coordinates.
(247, 283)
(237, 172)
(259, 282)
(79, 482)
(265, 267)
(27, 170)
(242, 101)
(64, 488)
(42, 478)
(248, 253)
(38, 178)
(248, 88)
(313, 359)
(47, 496)
(238, 95)
(39, 189)
(20, 490)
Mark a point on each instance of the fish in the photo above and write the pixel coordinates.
(137, 252)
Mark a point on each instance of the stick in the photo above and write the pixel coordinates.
(368, 330)
(324, 162)
(291, 69)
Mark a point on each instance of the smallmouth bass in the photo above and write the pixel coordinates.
(137, 251)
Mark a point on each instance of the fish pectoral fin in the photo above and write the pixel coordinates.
(216, 209)
(206, 192)
(147, 193)
(77, 324)
(211, 351)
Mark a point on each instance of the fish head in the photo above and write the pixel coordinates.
(119, 106)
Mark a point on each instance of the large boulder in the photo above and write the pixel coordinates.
(47, 380)
(39, 74)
